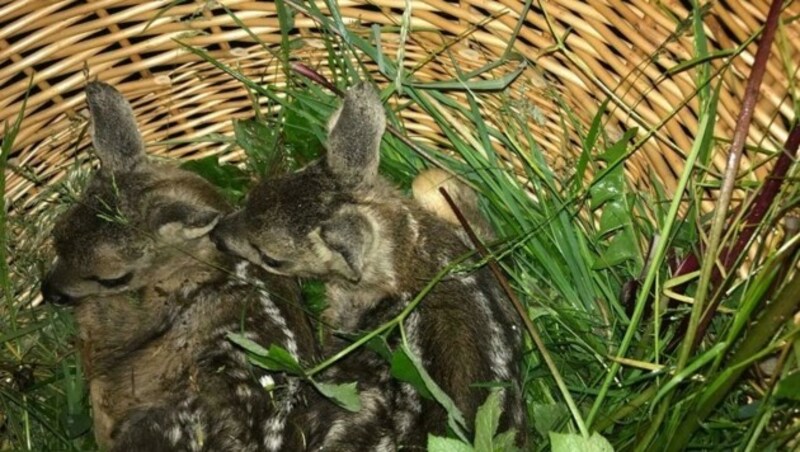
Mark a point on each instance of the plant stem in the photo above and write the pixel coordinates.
(786, 304)
(729, 181)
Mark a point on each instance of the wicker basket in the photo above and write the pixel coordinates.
(621, 50)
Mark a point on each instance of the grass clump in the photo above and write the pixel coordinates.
(656, 324)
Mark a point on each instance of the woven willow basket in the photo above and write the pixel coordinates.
(617, 50)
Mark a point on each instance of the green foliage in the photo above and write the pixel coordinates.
(278, 359)
(569, 240)
(487, 419)
(404, 369)
(345, 395)
(570, 442)
(231, 180)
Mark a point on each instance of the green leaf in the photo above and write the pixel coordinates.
(247, 344)
(76, 424)
(439, 444)
(404, 369)
(475, 85)
(378, 345)
(455, 419)
(623, 247)
(546, 416)
(345, 394)
(615, 216)
(314, 295)
(505, 442)
(259, 141)
(589, 144)
(300, 136)
(573, 442)
(612, 186)
(278, 359)
(275, 358)
(487, 419)
(230, 179)
(789, 386)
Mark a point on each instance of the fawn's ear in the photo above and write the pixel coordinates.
(116, 139)
(348, 236)
(354, 135)
(178, 221)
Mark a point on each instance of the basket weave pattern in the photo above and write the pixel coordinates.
(614, 48)
(566, 57)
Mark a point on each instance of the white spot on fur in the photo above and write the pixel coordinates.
(244, 392)
(371, 401)
(499, 355)
(273, 427)
(174, 435)
(386, 445)
(241, 269)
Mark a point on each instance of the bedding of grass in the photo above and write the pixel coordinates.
(629, 348)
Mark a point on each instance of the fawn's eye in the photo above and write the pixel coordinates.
(267, 260)
(114, 282)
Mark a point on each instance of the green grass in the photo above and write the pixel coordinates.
(588, 255)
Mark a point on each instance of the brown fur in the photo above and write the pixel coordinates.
(154, 300)
(337, 220)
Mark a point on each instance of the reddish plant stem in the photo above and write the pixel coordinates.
(316, 77)
(763, 201)
(761, 205)
(731, 254)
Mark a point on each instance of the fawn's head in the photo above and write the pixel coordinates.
(316, 222)
(133, 214)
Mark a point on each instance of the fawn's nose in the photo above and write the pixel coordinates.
(52, 294)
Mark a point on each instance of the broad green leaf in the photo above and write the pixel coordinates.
(612, 186)
(247, 344)
(76, 424)
(573, 442)
(404, 369)
(545, 417)
(230, 179)
(378, 345)
(618, 150)
(486, 421)
(439, 444)
(345, 394)
(275, 358)
(615, 216)
(789, 386)
(278, 359)
(455, 419)
(623, 247)
(611, 183)
(505, 442)
(75, 419)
